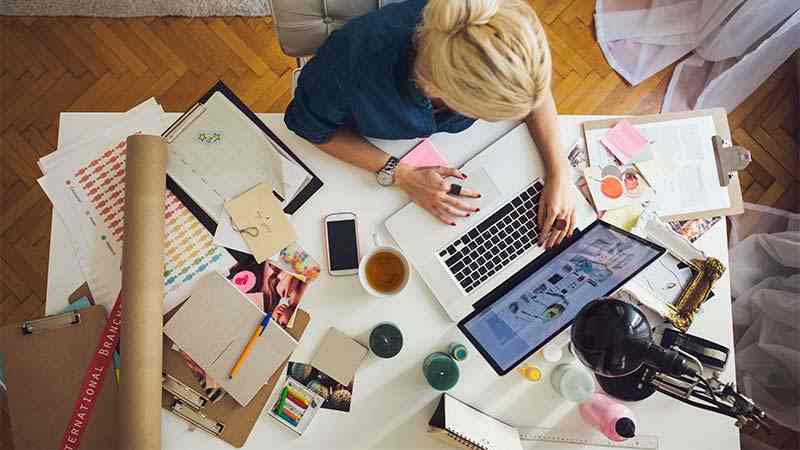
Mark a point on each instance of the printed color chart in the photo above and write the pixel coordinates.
(189, 249)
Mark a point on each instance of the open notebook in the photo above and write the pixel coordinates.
(463, 426)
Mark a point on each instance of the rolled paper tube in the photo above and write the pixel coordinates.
(139, 404)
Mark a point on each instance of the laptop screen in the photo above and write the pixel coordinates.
(543, 299)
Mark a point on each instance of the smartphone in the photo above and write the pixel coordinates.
(341, 242)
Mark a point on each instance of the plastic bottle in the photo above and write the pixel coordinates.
(613, 419)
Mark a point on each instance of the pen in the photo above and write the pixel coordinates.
(249, 346)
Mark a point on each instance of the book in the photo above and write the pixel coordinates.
(463, 426)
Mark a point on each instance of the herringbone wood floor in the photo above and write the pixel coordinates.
(49, 65)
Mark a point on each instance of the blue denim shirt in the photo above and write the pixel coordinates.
(361, 78)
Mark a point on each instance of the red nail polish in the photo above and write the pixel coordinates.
(479, 196)
(469, 215)
(477, 209)
(453, 223)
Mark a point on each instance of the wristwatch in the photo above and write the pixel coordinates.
(385, 176)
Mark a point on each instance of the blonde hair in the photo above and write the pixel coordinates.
(487, 58)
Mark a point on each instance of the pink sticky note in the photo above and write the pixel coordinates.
(424, 155)
(624, 141)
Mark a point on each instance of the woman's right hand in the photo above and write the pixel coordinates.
(428, 187)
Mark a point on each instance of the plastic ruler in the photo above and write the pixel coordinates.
(565, 437)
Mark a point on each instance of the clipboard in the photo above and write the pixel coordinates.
(310, 188)
(45, 362)
(720, 118)
(225, 419)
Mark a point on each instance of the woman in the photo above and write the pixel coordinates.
(420, 67)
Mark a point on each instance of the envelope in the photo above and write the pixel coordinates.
(258, 216)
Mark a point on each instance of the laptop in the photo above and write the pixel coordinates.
(540, 301)
(462, 264)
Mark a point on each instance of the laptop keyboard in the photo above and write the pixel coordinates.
(487, 248)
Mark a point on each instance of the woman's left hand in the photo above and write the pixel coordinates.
(557, 203)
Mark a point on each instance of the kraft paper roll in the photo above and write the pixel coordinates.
(143, 294)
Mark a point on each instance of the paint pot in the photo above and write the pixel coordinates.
(458, 351)
(386, 340)
(441, 371)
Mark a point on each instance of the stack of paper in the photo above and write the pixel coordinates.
(86, 183)
(681, 167)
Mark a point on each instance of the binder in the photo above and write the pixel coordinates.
(46, 361)
(208, 222)
(720, 118)
(225, 419)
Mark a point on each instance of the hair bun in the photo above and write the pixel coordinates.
(449, 16)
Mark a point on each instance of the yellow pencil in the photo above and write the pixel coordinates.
(249, 347)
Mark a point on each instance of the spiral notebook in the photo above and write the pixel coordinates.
(463, 426)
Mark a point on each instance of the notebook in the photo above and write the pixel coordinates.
(463, 426)
(214, 326)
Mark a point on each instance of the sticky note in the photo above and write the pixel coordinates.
(424, 155)
(624, 141)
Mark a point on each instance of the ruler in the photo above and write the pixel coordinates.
(566, 437)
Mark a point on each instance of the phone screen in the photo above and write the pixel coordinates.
(342, 245)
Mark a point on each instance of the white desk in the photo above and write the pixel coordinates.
(391, 401)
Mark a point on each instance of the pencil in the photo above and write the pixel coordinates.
(248, 347)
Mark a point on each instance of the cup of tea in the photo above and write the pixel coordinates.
(383, 271)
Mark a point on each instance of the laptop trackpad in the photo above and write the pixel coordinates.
(479, 180)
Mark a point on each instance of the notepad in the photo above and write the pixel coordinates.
(339, 356)
(214, 326)
(461, 425)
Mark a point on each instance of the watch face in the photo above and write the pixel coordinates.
(385, 179)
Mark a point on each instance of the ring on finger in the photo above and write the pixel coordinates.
(455, 189)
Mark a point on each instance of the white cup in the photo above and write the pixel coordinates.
(362, 268)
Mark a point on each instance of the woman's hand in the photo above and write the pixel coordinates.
(428, 188)
(557, 203)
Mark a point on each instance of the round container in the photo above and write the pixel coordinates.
(531, 372)
(441, 371)
(573, 382)
(386, 340)
(458, 351)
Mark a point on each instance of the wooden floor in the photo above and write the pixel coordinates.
(49, 65)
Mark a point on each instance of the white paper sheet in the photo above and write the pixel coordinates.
(85, 182)
(222, 154)
(683, 172)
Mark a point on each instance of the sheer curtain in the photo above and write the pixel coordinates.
(734, 44)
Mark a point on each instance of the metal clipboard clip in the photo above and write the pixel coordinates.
(729, 159)
(183, 122)
(46, 324)
(197, 418)
(183, 392)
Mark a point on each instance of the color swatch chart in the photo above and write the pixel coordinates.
(188, 248)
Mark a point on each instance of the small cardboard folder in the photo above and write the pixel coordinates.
(184, 396)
